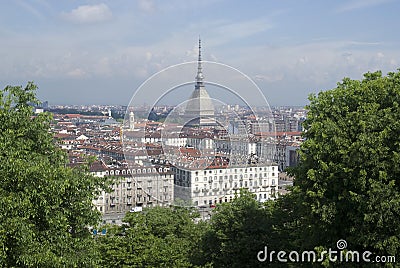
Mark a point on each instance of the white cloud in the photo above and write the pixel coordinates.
(147, 5)
(359, 4)
(269, 77)
(88, 14)
(228, 31)
(76, 73)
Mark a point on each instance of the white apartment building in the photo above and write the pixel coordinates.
(138, 186)
(219, 184)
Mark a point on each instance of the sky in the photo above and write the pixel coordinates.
(100, 52)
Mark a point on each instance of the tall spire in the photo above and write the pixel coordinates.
(199, 76)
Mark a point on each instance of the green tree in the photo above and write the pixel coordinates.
(348, 181)
(158, 237)
(238, 231)
(45, 207)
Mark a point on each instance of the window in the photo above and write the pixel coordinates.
(273, 181)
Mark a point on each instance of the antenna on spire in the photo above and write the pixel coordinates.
(199, 76)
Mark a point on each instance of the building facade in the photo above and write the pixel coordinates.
(134, 187)
(220, 184)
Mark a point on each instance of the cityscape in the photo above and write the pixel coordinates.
(202, 162)
(199, 134)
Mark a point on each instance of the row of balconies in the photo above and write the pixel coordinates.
(225, 189)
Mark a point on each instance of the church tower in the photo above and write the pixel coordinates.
(131, 121)
(200, 109)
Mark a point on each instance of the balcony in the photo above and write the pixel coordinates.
(196, 191)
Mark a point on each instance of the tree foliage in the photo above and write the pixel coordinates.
(45, 207)
(159, 237)
(348, 181)
(237, 231)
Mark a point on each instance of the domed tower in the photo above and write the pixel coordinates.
(199, 108)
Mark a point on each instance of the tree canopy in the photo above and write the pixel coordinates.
(45, 207)
(348, 181)
(159, 237)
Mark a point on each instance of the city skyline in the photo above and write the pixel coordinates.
(99, 52)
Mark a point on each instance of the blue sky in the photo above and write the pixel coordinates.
(99, 52)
